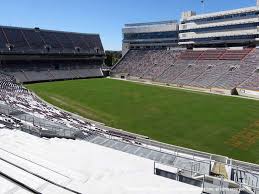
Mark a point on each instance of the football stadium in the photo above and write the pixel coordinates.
(178, 113)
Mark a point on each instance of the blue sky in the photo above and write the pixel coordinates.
(105, 17)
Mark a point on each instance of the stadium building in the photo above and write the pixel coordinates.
(220, 29)
(216, 52)
(33, 55)
(150, 35)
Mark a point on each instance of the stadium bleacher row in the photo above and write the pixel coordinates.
(40, 41)
(19, 98)
(224, 69)
(219, 54)
(22, 101)
(51, 74)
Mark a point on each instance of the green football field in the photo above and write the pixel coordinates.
(212, 123)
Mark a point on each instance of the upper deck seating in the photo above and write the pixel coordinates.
(16, 38)
(27, 41)
(51, 40)
(3, 41)
(65, 42)
(235, 54)
(219, 54)
(34, 39)
(212, 54)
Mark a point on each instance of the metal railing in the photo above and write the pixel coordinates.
(201, 180)
(194, 163)
(32, 125)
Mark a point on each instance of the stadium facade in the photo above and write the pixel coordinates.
(220, 29)
(162, 34)
(231, 28)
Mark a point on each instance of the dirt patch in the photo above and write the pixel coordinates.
(245, 138)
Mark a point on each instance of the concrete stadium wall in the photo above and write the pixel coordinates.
(221, 91)
(119, 75)
(198, 89)
(248, 93)
(207, 90)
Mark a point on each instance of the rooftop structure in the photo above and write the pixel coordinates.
(150, 35)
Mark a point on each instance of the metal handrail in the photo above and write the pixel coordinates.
(241, 185)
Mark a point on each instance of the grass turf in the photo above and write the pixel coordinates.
(212, 123)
